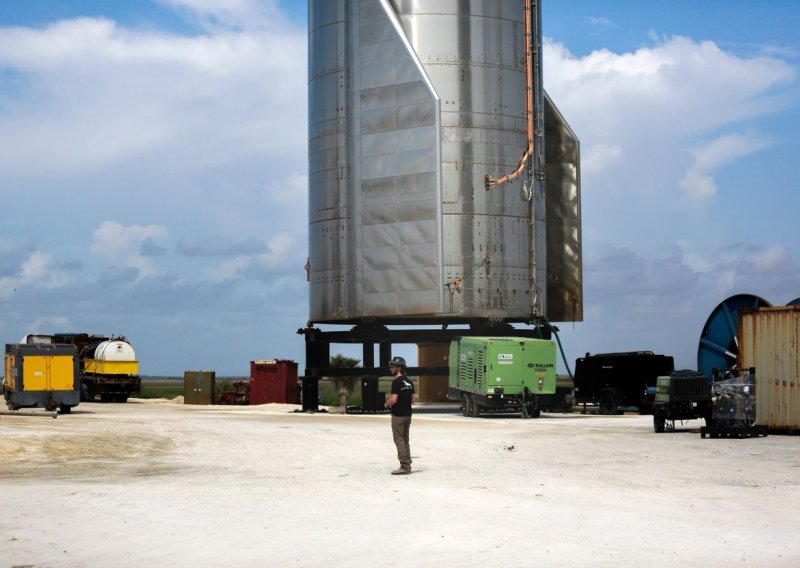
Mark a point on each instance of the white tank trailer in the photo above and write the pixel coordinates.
(444, 184)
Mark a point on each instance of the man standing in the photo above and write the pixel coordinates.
(400, 403)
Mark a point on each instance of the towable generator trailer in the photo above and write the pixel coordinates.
(613, 380)
(505, 374)
(43, 376)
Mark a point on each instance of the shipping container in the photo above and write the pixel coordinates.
(199, 387)
(769, 341)
(274, 381)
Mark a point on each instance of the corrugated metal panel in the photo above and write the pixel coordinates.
(274, 381)
(770, 341)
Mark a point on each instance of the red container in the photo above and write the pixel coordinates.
(274, 380)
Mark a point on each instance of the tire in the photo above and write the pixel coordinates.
(475, 407)
(464, 405)
(530, 410)
(65, 409)
(608, 403)
(121, 398)
(468, 403)
(658, 424)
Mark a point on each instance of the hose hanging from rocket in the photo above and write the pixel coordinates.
(491, 182)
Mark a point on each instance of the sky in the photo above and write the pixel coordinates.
(153, 170)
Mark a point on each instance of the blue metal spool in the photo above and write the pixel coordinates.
(719, 341)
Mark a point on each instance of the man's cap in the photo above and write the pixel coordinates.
(397, 362)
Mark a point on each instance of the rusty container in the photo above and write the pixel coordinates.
(199, 387)
(274, 381)
(769, 340)
(433, 388)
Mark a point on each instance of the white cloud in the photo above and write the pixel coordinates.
(36, 272)
(98, 95)
(283, 256)
(600, 21)
(698, 182)
(215, 14)
(654, 105)
(769, 259)
(123, 245)
(698, 185)
(598, 157)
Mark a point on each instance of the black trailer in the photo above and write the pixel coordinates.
(613, 380)
(683, 395)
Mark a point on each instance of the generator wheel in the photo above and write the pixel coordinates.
(530, 410)
(65, 409)
(476, 408)
(465, 410)
(121, 398)
(608, 403)
(468, 404)
(658, 424)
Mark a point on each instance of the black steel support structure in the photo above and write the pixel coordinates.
(368, 334)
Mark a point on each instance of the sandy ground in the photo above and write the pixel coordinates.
(163, 484)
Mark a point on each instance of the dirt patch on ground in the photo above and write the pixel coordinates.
(63, 455)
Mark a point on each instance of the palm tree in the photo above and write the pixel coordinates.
(344, 385)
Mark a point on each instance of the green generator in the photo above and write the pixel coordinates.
(41, 375)
(502, 374)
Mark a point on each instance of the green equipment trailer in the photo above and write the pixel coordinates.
(505, 374)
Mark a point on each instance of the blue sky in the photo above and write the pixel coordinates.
(153, 170)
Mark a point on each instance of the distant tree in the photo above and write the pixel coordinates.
(344, 385)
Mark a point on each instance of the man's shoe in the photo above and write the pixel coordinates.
(401, 471)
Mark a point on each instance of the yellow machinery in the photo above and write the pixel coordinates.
(38, 375)
(109, 369)
(107, 366)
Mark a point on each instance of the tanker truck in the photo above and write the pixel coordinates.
(107, 365)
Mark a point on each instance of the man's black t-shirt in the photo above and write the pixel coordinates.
(404, 389)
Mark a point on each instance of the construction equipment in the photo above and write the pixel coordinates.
(44, 376)
(682, 395)
(614, 380)
(502, 374)
(107, 365)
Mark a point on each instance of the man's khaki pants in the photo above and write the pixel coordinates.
(400, 428)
